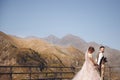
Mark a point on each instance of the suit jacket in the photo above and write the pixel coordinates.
(101, 61)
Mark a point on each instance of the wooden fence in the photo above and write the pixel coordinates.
(49, 73)
(34, 72)
(113, 72)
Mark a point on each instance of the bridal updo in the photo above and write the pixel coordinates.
(91, 49)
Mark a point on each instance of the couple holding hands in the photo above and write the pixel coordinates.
(91, 69)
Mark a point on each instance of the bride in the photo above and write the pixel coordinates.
(88, 70)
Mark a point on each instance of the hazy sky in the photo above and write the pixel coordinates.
(92, 20)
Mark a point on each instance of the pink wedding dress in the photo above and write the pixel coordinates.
(88, 70)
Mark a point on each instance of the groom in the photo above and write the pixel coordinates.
(101, 61)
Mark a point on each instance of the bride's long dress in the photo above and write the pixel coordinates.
(88, 70)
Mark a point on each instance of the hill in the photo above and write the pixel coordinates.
(67, 51)
(82, 45)
(34, 51)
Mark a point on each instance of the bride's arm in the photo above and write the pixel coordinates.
(92, 61)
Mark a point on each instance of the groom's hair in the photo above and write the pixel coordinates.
(91, 49)
(102, 47)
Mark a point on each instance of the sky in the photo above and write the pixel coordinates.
(91, 20)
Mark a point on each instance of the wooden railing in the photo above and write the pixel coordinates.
(34, 72)
(114, 73)
(49, 73)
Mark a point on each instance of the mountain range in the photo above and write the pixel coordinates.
(13, 48)
(53, 45)
(48, 51)
(35, 52)
(82, 45)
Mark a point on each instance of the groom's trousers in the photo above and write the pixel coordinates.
(102, 71)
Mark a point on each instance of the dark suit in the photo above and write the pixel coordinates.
(101, 65)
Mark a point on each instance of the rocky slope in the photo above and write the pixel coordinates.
(13, 48)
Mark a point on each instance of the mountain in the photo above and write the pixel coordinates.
(14, 45)
(82, 45)
(35, 51)
(68, 40)
(9, 51)
(49, 51)
(74, 41)
(52, 39)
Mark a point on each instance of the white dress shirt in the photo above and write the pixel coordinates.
(99, 58)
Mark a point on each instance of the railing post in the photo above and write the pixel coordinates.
(60, 74)
(46, 74)
(74, 70)
(10, 72)
(110, 73)
(30, 71)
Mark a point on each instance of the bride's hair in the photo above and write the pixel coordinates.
(91, 49)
